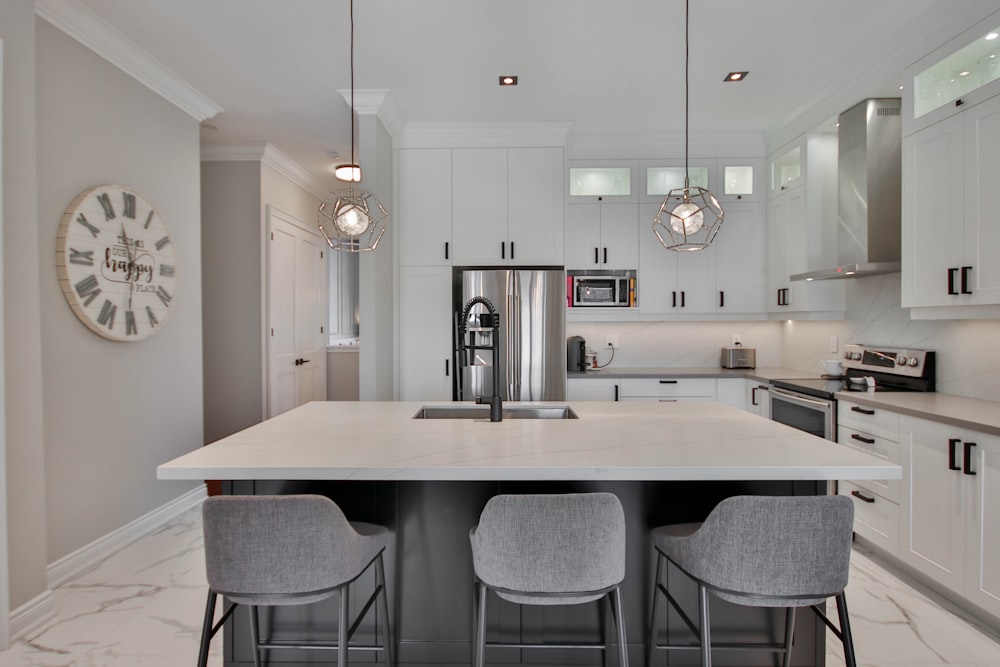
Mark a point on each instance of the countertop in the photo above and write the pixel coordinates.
(971, 413)
(372, 440)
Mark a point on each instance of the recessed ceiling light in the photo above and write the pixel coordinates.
(992, 35)
(964, 73)
(736, 76)
(508, 80)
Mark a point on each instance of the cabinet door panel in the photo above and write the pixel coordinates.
(425, 341)
(479, 206)
(583, 236)
(535, 205)
(620, 231)
(983, 562)
(740, 261)
(933, 502)
(657, 271)
(982, 238)
(424, 217)
(933, 213)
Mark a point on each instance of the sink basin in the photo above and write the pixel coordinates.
(473, 411)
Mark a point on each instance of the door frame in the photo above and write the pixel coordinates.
(273, 213)
(4, 571)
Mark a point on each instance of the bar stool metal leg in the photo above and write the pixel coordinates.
(706, 634)
(789, 635)
(845, 631)
(255, 634)
(206, 629)
(480, 649)
(342, 628)
(616, 606)
(651, 635)
(388, 645)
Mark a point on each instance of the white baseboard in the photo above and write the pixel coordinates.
(31, 615)
(89, 556)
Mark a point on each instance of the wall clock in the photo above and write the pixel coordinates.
(116, 263)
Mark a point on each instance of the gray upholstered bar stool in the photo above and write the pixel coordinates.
(760, 551)
(289, 550)
(550, 549)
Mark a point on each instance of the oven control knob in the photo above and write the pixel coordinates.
(913, 361)
(857, 356)
(901, 360)
(847, 355)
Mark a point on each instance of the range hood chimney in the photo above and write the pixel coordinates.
(869, 192)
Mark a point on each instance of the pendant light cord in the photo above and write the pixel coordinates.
(354, 161)
(687, 96)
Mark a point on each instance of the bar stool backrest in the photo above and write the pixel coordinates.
(558, 543)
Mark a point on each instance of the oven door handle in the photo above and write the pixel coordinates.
(801, 400)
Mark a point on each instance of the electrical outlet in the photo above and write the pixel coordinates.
(737, 339)
(833, 343)
(611, 340)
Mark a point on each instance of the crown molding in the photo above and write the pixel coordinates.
(378, 102)
(96, 34)
(265, 154)
(653, 146)
(482, 135)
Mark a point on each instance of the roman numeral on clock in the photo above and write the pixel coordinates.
(107, 314)
(83, 257)
(130, 328)
(162, 242)
(128, 203)
(152, 318)
(83, 221)
(88, 289)
(149, 219)
(109, 210)
(167, 270)
(164, 295)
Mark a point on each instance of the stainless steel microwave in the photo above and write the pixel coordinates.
(609, 291)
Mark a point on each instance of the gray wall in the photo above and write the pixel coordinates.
(112, 411)
(22, 333)
(231, 311)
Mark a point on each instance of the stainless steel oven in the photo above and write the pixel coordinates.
(806, 413)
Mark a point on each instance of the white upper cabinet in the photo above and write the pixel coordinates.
(507, 206)
(423, 219)
(951, 243)
(739, 247)
(787, 168)
(601, 235)
(678, 283)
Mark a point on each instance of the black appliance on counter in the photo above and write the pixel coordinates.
(810, 405)
(576, 354)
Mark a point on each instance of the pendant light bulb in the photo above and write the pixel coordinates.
(351, 220)
(687, 218)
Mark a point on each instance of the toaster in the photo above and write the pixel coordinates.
(739, 357)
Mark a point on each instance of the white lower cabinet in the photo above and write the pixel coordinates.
(592, 389)
(950, 501)
(732, 391)
(668, 390)
(425, 339)
(757, 400)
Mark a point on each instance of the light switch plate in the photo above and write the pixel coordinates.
(833, 343)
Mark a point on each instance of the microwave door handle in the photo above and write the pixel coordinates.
(801, 400)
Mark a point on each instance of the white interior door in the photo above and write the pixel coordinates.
(297, 302)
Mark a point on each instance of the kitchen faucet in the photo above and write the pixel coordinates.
(495, 401)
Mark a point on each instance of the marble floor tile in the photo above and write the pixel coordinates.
(142, 607)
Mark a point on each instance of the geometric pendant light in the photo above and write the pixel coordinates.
(689, 217)
(350, 218)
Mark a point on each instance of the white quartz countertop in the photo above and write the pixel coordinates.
(372, 440)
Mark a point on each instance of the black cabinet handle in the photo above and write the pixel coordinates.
(674, 302)
(863, 411)
(682, 299)
(951, 281)
(952, 443)
(959, 102)
(722, 299)
(861, 496)
(446, 250)
(783, 296)
(447, 371)
(779, 299)
(668, 381)
(753, 396)
(861, 438)
(597, 259)
(967, 464)
(965, 280)
(616, 394)
(512, 250)
(605, 255)
(503, 250)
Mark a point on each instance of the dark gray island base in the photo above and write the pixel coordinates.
(429, 572)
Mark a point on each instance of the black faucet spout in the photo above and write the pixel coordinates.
(495, 401)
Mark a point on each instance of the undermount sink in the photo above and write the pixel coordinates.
(472, 411)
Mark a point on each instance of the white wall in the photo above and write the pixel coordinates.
(112, 411)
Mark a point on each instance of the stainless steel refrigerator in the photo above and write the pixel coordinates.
(531, 304)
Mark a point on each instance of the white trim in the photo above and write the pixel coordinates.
(482, 135)
(89, 556)
(266, 154)
(32, 615)
(380, 103)
(105, 40)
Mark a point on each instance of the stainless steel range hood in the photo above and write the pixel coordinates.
(869, 192)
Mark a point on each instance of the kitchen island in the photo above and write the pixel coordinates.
(428, 479)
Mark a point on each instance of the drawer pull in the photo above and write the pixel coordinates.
(967, 469)
(668, 381)
(952, 444)
(861, 496)
(674, 400)
(863, 411)
(861, 438)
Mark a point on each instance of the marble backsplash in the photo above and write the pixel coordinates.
(966, 363)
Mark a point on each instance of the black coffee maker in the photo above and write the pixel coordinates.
(576, 354)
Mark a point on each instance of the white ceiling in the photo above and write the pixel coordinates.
(606, 66)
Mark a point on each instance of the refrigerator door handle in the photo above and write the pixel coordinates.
(513, 330)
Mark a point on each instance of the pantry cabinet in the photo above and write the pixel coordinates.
(507, 206)
(950, 492)
(950, 237)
